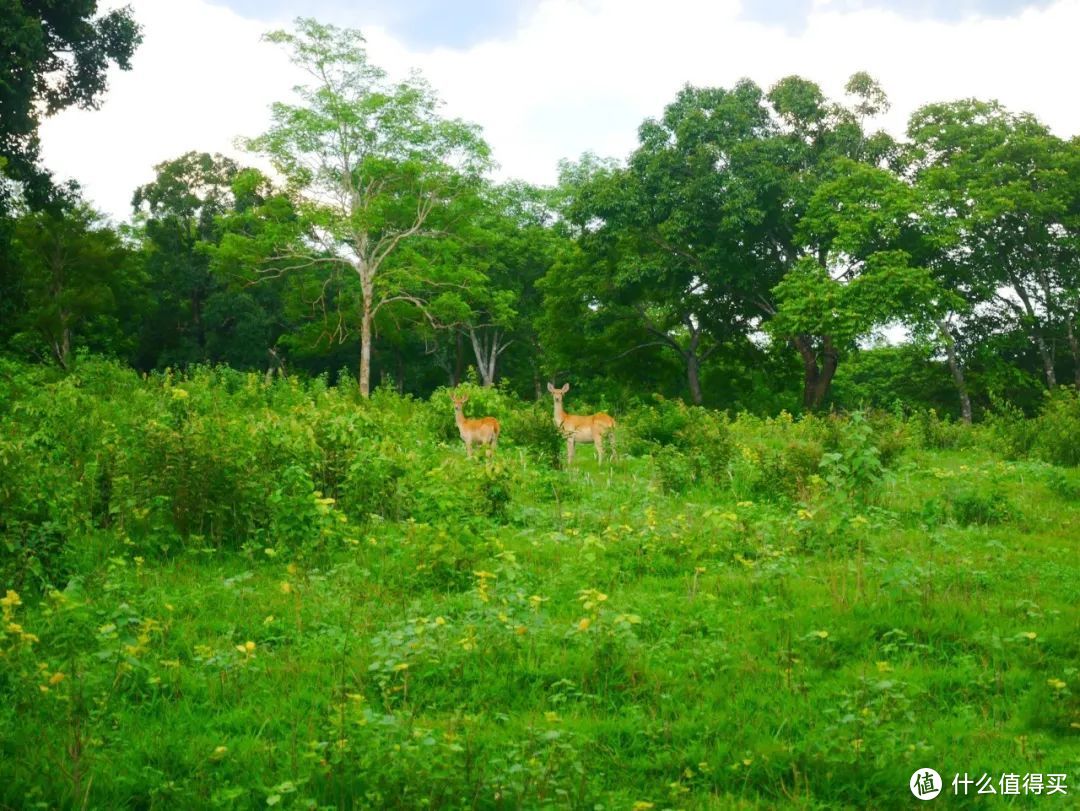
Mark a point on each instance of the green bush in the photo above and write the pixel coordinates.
(972, 505)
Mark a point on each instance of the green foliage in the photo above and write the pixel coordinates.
(53, 56)
(226, 568)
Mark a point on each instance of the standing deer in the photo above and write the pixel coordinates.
(484, 430)
(582, 427)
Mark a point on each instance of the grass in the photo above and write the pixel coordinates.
(598, 643)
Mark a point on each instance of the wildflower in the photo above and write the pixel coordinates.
(10, 600)
(551, 717)
(179, 394)
(1029, 634)
(401, 666)
(56, 678)
(286, 587)
(642, 805)
(219, 752)
(884, 667)
(584, 623)
(1057, 684)
(521, 630)
(440, 620)
(536, 600)
(821, 634)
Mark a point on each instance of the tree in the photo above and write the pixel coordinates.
(861, 233)
(76, 278)
(373, 167)
(1007, 191)
(511, 244)
(53, 54)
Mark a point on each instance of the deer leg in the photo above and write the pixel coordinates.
(599, 442)
(468, 448)
(569, 451)
(614, 452)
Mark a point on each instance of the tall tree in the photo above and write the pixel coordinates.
(1007, 190)
(77, 281)
(53, 54)
(373, 164)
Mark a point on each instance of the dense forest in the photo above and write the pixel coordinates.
(762, 248)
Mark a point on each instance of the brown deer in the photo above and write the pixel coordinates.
(582, 427)
(484, 430)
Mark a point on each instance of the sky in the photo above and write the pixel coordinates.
(551, 79)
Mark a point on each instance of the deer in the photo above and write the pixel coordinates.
(582, 427)
(484, 430)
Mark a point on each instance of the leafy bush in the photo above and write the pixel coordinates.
(1057, 438)
(972, 505)
(532, 428)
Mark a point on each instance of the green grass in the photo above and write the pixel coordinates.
(742, 656)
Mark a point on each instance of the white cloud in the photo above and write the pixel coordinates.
(576, 75)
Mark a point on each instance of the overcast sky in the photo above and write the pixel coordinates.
(549, 79)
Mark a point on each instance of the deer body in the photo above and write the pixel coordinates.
(485, 430)
(587, 428)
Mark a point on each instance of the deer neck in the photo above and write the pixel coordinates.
(560, 414)
(459, 418)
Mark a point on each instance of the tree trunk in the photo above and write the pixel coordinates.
(693, 368)
(957, 372)
(487, 355)
(367, 288)
(1047, 360)
(817, 374)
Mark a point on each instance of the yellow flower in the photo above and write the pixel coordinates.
(10, 599)
(1057, 684)
(551, 717)
(249, 646)
(219, 752)
(642, 805)
(521, 630)
(179, 394)
(821, 634)
(884, 667)
(286, 587)
(56, 678)
(440, 621)
(1030, 634)
(584, 624)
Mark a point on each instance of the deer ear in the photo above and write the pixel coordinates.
(551, 388)
(565, 388)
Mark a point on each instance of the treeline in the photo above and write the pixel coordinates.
(749, 254)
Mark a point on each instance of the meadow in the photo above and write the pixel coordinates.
(227, 591)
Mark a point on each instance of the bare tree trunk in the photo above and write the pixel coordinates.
(487, 350)
(365, 339)
(957, 371)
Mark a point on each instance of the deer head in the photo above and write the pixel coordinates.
(558, 393)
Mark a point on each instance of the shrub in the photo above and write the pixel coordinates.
(533, 429)
(1057, 429)
(974, 506)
